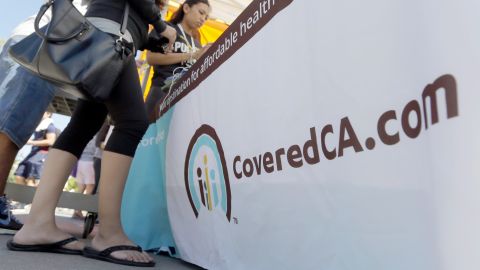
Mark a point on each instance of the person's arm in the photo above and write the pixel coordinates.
(159, 59)
(102, 133)
(151, 13)
(48, 141)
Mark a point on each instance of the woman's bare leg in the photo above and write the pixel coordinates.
(40, 227)
(113, 177)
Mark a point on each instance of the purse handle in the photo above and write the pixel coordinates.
(123, 26)
(82, 28)
(43, 10)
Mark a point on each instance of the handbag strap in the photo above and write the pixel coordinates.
(123, 26)
(43, 10)
(83, 27)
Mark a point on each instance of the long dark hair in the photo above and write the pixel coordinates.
(177, 17)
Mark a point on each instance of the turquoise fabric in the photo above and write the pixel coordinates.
(144, 207)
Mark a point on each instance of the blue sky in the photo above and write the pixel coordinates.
(14, 12)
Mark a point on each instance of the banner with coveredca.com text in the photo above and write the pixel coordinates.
(320, 135)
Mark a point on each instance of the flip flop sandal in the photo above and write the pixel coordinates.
(105, 255)
(56, 247)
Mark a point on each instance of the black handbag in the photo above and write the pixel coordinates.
(73, 54)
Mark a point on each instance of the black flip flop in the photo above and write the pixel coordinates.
(56, 247)
(105, 255)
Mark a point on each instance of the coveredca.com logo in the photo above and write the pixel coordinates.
(206, 175)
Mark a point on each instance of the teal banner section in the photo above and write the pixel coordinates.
(144, 206)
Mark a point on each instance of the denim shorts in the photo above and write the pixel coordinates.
(23, 98)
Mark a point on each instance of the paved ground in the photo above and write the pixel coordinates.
(10, 260)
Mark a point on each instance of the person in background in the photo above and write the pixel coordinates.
(85, 177)
(23, 100)
(100, 141)
(187, 20)
(126, 108)
(30, 169)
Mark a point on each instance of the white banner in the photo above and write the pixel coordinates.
(342, 135)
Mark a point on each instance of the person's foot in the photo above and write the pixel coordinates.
(33, 234)
(99, 243)
(7, 219)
